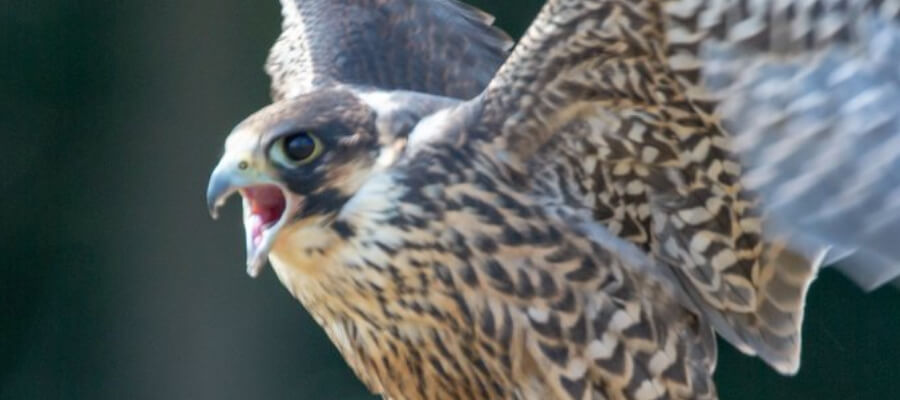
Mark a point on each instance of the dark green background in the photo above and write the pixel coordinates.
(115, 283)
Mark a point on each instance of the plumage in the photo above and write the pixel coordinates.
(808, 88)
(573, 224)
(445, 47)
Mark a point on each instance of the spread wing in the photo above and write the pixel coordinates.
(811, 91)
(588, 106)
(439, 47)
(555, 308)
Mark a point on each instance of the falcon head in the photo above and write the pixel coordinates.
(346, 97)
(296, 162)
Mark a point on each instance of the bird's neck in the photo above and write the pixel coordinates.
(336, 275)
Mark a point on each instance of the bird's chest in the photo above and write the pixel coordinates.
(398, 338)
(412, 361)
(406, 337)
(384, 294)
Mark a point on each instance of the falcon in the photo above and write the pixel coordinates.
(571, 219)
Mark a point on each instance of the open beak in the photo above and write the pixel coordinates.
(267, 206)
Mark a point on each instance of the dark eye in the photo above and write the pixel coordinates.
(297, 149)
(300, 146)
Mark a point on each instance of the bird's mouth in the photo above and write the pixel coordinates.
(267, 208)
(265, 213)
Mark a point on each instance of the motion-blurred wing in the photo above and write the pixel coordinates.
(440, 47)
(588, 106)
(811, 90)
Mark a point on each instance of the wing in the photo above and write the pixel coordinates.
(560, 308)
(810, 89)
(631, 146)
(618, 334)
(440, 47)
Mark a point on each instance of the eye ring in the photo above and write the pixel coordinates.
(296, 149)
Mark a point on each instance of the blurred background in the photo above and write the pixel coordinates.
(116, 284)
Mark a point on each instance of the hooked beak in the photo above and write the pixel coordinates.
(267, 206)
(219, 189)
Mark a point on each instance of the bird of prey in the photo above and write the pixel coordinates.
(571, 219)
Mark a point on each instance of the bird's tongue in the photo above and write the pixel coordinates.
(267, 204)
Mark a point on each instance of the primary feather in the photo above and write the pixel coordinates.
(809, 90)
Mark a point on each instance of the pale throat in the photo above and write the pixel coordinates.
(320, 267)
(302, 255)
(311, 261)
